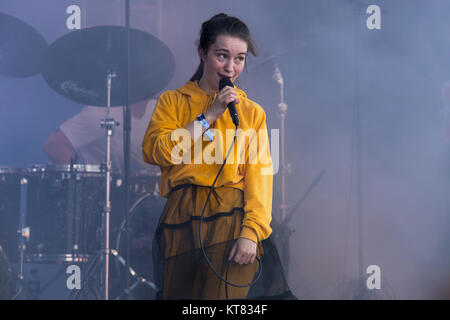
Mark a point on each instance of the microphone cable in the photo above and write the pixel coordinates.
(256, 278)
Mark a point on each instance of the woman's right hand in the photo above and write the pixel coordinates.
(223, 98)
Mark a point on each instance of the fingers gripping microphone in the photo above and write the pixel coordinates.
(231, 106)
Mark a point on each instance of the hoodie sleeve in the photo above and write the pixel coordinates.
(161, 145)
(258, 183)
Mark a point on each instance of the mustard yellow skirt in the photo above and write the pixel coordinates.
(185, 272)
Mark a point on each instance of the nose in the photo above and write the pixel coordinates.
(228, 67)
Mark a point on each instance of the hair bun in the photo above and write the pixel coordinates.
(206, 24)
(219, 15)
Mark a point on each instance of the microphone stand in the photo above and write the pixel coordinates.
(24, 233)
(127, 143)
(360, 292)
(282, 110)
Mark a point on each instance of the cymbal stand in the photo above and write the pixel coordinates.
(109, 125)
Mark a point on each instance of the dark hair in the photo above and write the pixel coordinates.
(221, 24)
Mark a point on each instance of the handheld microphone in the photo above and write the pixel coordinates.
(231, 106)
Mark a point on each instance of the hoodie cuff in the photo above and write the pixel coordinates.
(248, 233)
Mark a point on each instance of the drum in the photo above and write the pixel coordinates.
(145, 181)
(63, 207)
(9, 210)
(64, 212)
(142, 223)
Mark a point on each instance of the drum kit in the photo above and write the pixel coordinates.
(62, 213)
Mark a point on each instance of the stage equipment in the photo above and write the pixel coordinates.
(140, 226)
(64, 203)
(77, 65)
(21, 48)
(82, 64)
(108, 66)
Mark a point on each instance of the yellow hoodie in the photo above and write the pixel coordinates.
(182, 161)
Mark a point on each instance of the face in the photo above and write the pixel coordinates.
(225, 58)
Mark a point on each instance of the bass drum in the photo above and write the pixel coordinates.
(142, 222)
(9, 211)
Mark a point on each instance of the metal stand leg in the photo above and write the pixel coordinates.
(108, 124)
(24, 233)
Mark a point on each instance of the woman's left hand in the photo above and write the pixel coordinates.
(243, 251)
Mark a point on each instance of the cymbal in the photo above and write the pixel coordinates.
(273, 57)
(77, 64)
(21, 48)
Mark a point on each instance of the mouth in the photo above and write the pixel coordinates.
(222, 76)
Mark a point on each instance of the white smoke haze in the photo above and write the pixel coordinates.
(355, 97)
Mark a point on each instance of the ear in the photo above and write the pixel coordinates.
(201, 54)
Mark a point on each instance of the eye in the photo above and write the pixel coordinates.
(240, 59)
(221, 56)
